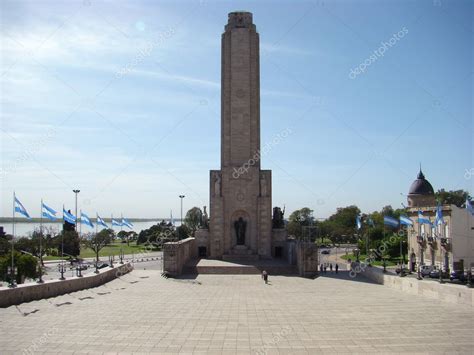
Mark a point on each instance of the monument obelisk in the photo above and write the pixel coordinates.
(240, 192)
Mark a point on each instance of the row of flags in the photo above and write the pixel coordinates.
(50, 213)
(406, 221)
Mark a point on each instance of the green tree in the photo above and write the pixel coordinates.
(71, 241)
(452, 197)
(193, 219)
(183, 232)
(5, 244)
(126, 236)
(299, 219)
(26, 266)
(98, 241)
(342, 224)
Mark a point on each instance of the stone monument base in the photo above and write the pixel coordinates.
(222, 267)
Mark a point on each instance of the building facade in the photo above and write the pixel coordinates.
(448, 246)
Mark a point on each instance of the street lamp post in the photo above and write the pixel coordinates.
(182, 197)
(12, 270)
(62, 269)
(76, 192)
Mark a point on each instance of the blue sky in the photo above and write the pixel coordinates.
(133, 142)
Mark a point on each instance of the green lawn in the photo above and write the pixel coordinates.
(112, 249)
(362, 257)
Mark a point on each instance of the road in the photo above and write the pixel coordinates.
(141, 261)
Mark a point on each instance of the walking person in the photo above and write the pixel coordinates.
(265, 276)
(325, 268)
(330, 267)
(337, 268)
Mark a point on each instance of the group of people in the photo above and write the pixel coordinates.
(323, 267)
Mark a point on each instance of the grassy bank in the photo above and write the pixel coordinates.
(362, 257)
(112, 249)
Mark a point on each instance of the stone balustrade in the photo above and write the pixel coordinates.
(34, 291)
(458, 294)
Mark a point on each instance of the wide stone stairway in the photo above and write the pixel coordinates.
(237, 267)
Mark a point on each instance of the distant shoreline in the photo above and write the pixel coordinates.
(59, 220)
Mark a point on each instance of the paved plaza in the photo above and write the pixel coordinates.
(236, 314)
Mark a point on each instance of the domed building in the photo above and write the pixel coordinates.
(421, 192)
(448, 245)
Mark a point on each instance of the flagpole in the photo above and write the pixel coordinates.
(62, 241)
(421, 239)
(12, 283)
(40, 245)
(41, 233)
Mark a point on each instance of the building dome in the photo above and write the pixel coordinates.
(421, 186)
(421, 193)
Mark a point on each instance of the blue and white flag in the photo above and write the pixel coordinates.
(69, 217)
(370, 222)
(358, 222)
(171, 218)
(422, 219)
(101, 222)
(439, 216)
(86, 220)
(469, 207)
(48, 212)
(390, 221)
(126, 223)
(20, 208)
(116, 223)
(406, 221)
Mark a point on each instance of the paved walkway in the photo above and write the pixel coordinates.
(143, 312)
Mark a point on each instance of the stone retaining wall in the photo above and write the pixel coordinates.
(307, 259)
(458, 294)
(52, 288)
(176, 254)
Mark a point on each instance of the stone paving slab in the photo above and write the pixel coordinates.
(236, 314)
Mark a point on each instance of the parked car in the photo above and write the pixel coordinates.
(102, 265)
(426, 269)
(458, 275)
(404, 269)
(325, 252)
(83, 266)
(434, 274)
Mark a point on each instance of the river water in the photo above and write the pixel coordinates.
(26, 229)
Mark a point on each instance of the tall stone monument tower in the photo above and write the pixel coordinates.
(240, 193)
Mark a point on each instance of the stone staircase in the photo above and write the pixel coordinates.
(240, 253)
(241, 267)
